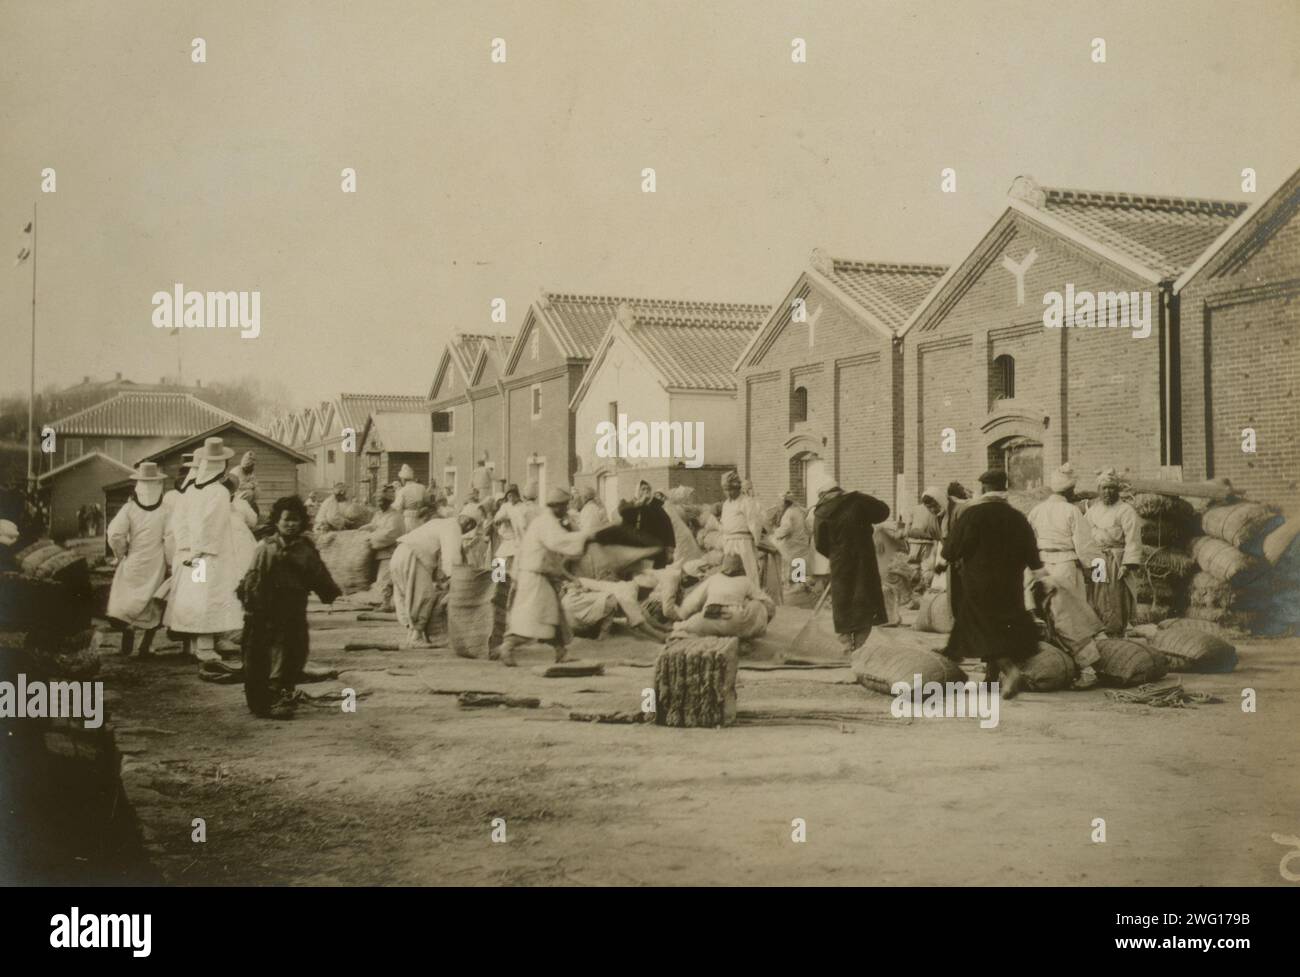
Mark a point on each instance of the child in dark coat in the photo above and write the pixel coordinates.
(286, 567)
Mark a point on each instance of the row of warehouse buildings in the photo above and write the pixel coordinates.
(886, 377)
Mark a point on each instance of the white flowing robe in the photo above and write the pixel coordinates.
(407, 501)
(207, 606)
(418, 557)
(242, 521)
(535, 612)
(1064, 542)
(136, 537)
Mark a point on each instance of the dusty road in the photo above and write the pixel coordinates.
(405, 790)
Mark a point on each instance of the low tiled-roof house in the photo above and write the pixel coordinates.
(821, 383)
(79, 482)
(132, 424)
(390, 440)
(990, 380)
(667, 363)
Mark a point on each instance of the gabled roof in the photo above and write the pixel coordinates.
(398, 431)
(198, 439)
(577, 323)
(1151, 237)
(81, 461)
(688, 345)
(1162, 234)
(1247, 234)
(468, 353)
(144, 414)
(354, 409)
(882, 295)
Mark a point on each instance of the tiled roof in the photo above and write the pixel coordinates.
(355, 408)
(891, 292)
(695, 344)
(580, 321)
(145, 414)
(1164, 234)
(467, 346)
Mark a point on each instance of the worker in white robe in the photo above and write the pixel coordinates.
(677, 505)
(726, 604)
(410, 497)
(203, 602)
(243, 520)
(421, 562)
(1116, 533)
(592, 517)
(136, 537)
(535, 613)
(330, 516)
(791, 537)
(742, 526)
(1064, 536)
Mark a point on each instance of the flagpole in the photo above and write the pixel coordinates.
(31, 385)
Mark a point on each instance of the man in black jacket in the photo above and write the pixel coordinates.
(842, 532)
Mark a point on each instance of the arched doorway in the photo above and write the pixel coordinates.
(1021, 458)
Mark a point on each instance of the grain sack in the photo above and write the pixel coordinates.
(355, 515)
(1167, 561)
(1240, 620)
(1151, 613)
(1239, 524)
(695, 682)
(1281, 542)
(1164, 531)
(348, 557)
(935, 614)
(1224, 561)
(72, 655)
(1125, 663)
(1048, 670)
(878, 665)
(1207, 590)
(602, 561)
(471, 613)
(1187, 650)
(1208, 627)
(1152, 505)
(1073, 621)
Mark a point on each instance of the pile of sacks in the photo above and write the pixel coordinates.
(1249, 569)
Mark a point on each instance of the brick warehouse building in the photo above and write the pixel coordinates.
(823, 397)
(465, 402)
(1239, 308)
(980, 365)
(667, 362)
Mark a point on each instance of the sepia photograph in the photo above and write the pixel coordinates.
(651, 444)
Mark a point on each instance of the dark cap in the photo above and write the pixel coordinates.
(995, 480)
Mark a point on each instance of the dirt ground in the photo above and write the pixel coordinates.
(405, 790)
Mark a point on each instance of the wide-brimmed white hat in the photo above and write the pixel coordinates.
(557, 496)
(147, 471)
(214, 449)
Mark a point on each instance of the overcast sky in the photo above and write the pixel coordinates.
(478, 180)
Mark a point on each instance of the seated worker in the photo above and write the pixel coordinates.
(727, 604)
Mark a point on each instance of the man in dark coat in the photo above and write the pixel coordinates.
(842, 532)
(989, 548)
(647, 517)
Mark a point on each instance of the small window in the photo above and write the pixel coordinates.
(72, 449)
(613, 419)
(329, 456)
(799, 405)
(1004, 377)
(537, 399)
(443, 421)
(449, 482)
